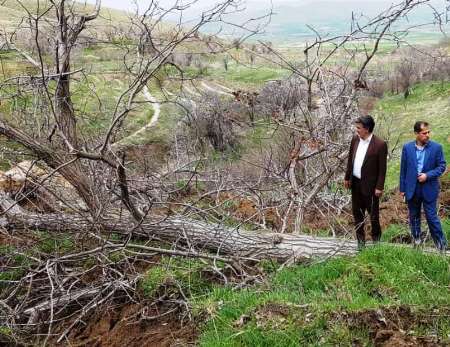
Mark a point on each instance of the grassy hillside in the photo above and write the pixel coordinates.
(396, 115)
(344, 299)
(350, 300)
(12, 11)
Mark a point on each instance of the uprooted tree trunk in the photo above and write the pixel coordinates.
(195, 235)
(57, 278)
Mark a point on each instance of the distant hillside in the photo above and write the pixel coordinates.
(330, 17)
(12, 12)
(289, 22)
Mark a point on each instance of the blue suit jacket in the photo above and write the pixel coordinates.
(434, 166)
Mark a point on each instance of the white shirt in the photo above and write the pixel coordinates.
(363, 145)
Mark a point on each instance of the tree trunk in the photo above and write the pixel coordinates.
(194, 234)
(71, 170)
(63, 103)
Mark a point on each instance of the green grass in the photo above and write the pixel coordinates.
(247, 76)
(5, 331)
(261, 132)
(94, 99)
(396, 116)
(446, 227)
(186, 274)
(383, 276)
(396, 231)
(236, 76)
(52, 243)
(13, 266)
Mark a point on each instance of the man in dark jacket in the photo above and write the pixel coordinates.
(421, 166)
(365, 175)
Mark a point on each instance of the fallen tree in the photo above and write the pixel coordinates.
(100, 175)
(120, 199)
(54, 287)
(194, 235)
(55, 283)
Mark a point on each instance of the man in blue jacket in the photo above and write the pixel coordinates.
(421, 165)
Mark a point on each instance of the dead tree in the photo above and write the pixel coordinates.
(80, 162)
(138, 214)
(62, 149)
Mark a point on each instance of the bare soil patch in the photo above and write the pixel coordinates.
(148, 156)
(389, 327)
(393, 211)
(445, 196)
(132, 325)
(19, 239)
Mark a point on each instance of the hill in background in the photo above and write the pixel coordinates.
(290, 19)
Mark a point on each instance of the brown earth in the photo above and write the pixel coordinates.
(445, 195)
(387, 327)
(18, 239)
(244, 208)
(132, 325)
(393, 210)
(394, 326)
(147, 157)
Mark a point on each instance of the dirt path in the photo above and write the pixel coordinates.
(194, 91)
(191, 91)
(217, 88)
(155, 104)
(224, 88)
(214, 89)
(156, 113)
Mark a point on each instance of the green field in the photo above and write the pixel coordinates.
(396, 116)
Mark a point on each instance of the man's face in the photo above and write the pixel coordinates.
(423, 136)
(361, 131)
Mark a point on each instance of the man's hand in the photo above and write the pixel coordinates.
(347, 184)
(402, 194)
(378, 193)
(422, 177)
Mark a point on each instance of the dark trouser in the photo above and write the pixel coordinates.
(429, 207)
(360, 204)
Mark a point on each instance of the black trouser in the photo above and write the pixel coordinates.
(362, 203)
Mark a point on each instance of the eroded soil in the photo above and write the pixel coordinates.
(133, 325)
(396, 326)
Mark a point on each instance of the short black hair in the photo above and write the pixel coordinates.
(419, 125)
(367, 122)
